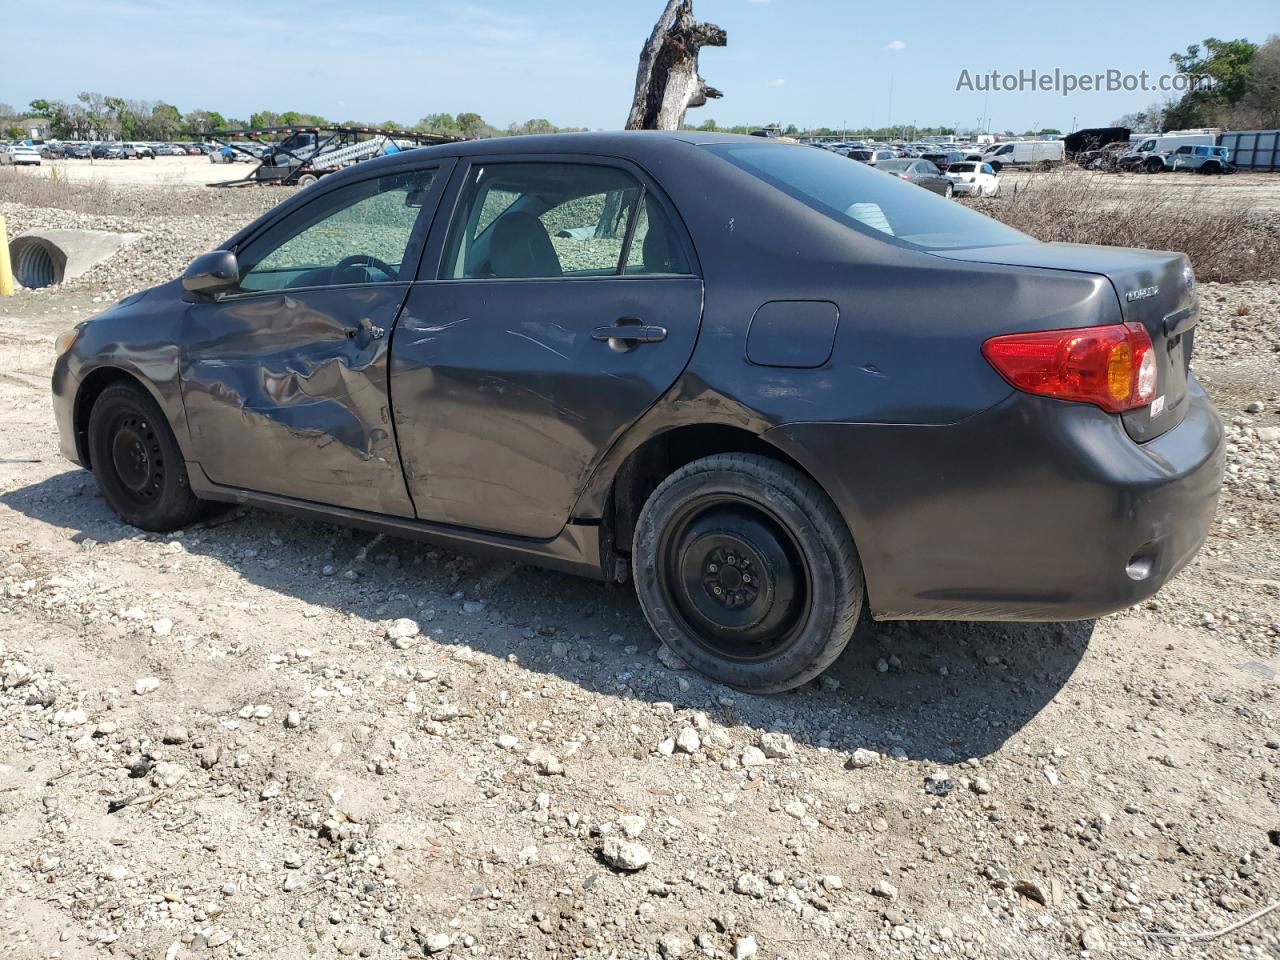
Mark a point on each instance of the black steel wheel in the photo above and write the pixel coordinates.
(137, 462)
(746, 570)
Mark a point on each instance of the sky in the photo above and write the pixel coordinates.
(810, 62)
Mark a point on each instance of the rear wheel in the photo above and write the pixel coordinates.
(1153, 165)
(948, 190)
(137, 462)
(746, 570)
(307, 179)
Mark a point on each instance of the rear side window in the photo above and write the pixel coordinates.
(559, 220)
(864, 199)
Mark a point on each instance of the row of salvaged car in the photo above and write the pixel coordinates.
(108, 150)
(1124, 157)
(946, 169)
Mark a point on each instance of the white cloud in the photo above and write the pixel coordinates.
(776, 83)
(896, 45)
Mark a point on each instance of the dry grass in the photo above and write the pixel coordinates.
(1226, 242)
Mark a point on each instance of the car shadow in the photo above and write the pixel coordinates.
(940, 691)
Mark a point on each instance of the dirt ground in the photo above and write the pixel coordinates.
(266, 737)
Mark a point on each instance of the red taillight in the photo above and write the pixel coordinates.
(1113, 367)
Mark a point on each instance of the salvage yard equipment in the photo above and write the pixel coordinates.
(305, 154)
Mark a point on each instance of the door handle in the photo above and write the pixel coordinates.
(628, 333)
(366, 326)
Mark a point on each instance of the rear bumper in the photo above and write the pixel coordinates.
(1032, 510)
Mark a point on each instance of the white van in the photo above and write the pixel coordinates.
(1025, 153)
(1147, 153)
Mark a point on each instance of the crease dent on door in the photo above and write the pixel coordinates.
(312, 415)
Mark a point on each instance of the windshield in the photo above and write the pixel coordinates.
(862, 198)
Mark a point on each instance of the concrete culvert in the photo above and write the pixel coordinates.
(45, 258)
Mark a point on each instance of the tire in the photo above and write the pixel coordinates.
(996, 165)
(137, 461)
(307, 179)
(948, 190)
(1153, 166)
(713, 520)
(995, 191)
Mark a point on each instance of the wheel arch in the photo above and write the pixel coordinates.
(619, 496)
(91, 387)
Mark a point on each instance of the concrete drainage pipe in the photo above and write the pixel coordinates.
(44, 258)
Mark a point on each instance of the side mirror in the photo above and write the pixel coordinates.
(212, 272)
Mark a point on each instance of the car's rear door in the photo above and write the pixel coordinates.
(561, 301)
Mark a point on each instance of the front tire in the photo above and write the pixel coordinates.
(137, 461)
(746, 570)
(948, 190)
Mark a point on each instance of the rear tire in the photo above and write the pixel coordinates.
(746, 570)
(948, 190)
(307, 179)
(137, 461)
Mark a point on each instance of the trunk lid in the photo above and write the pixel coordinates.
(1154, 288)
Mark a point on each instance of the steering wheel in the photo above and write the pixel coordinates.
(367, 260)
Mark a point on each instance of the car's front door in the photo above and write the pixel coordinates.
(284, 379)
(562, 303)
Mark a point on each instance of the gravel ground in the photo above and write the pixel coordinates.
(266, 737)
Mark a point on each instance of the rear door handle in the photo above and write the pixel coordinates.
(628, 333)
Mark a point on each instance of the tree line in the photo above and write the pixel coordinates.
(1244, 93)
(95, 116)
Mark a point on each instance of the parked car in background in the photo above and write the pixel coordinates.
(168, 150)
(1201, 159)
(1021, 437)
(19, 155)
(137, 151)
(972, 178)
(861, 155)
(1041, 154)
(107, 151)
(920, 172)
(943, 159)
(1148, 155)
(881, 153)
(76, 151)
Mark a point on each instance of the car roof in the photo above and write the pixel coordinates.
(631, 144)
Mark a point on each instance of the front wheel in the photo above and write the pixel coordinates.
(137, 461)
(746, 570)
(948, 190)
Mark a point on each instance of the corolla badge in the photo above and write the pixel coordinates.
(1142, 293)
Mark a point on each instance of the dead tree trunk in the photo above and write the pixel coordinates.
(667, 83)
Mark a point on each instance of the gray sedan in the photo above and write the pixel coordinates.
(923, 173)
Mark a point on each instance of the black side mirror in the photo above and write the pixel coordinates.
(212, 273)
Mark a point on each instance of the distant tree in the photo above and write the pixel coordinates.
(1261, 101)
(166, 121)
(203, 121)
(265, 118)
(534, 126)
(1227, 64)
(473, 127)
(442, 123)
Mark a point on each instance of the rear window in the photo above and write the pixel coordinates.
(864, 199)
(962, 168)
